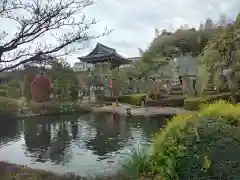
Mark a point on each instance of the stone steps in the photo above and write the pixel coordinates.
(176, 90)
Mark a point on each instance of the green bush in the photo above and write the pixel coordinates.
(73, 87)
(133, 99)
(109, 98)
(8, 107)
(3, 92)
(203, 145)
(137, 162)
(196, 102)
(14, 89)
(167, 102)
(28, 78)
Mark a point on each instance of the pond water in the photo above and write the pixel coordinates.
(89, 144)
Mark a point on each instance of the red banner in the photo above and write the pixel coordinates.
(110, 84)
(185, 83)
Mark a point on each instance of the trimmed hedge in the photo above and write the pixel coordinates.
(3, 92)
(8, 107)
(133, 99)
(196, 102)
(203, 145)
(167, 102)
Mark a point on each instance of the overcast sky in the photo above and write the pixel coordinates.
(133, 21)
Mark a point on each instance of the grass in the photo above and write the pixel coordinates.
(137, 164)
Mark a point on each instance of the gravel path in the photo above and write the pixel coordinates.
(140, 111)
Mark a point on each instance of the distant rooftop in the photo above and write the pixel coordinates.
(103, 53)
(133, 59)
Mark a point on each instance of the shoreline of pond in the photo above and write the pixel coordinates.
(121, 110)
(10, 171)
(139, 111)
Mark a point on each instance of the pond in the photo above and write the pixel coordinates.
(88, 144)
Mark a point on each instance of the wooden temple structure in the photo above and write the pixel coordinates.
(102, 53)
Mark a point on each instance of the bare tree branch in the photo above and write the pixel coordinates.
(62, 20)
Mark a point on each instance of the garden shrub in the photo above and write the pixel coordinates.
(196, 102)
(202, 145)
(110, 98)
(133, 99)
(3, 92)
(73, 86)
(137, 164)
(8, 107)
(14, 89)
(136, 99)
(167, 102)
(40, 89)
(28, 78)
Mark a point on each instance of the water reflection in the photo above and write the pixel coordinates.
(111, 132)
(47, 141)
(9, 131)
(80, 144)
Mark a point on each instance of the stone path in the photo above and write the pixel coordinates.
(140, 111)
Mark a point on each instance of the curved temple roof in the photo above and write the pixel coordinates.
(102, 53)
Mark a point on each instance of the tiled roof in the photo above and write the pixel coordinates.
(101, 52)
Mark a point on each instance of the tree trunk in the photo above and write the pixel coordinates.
(117, 97)
(89, 98)
(233, 89)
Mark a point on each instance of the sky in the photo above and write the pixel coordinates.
(133, 21)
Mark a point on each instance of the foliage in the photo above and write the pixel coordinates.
(167, 45)
(14, 89)
(217, 52)
(39, 21)
(3, 92)
(136, 99)
(196, 102)
(8, 107)
(66, 107)
(28, 78)
(138, 161)
(65, 82)
(58, 84)
(119, 81)
(177, 101)
(191, 146)
(183, 40)
(74, 91)
(133, 99)
(40, 89)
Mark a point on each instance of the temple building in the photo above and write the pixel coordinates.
(104, 54)
(103, 59)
